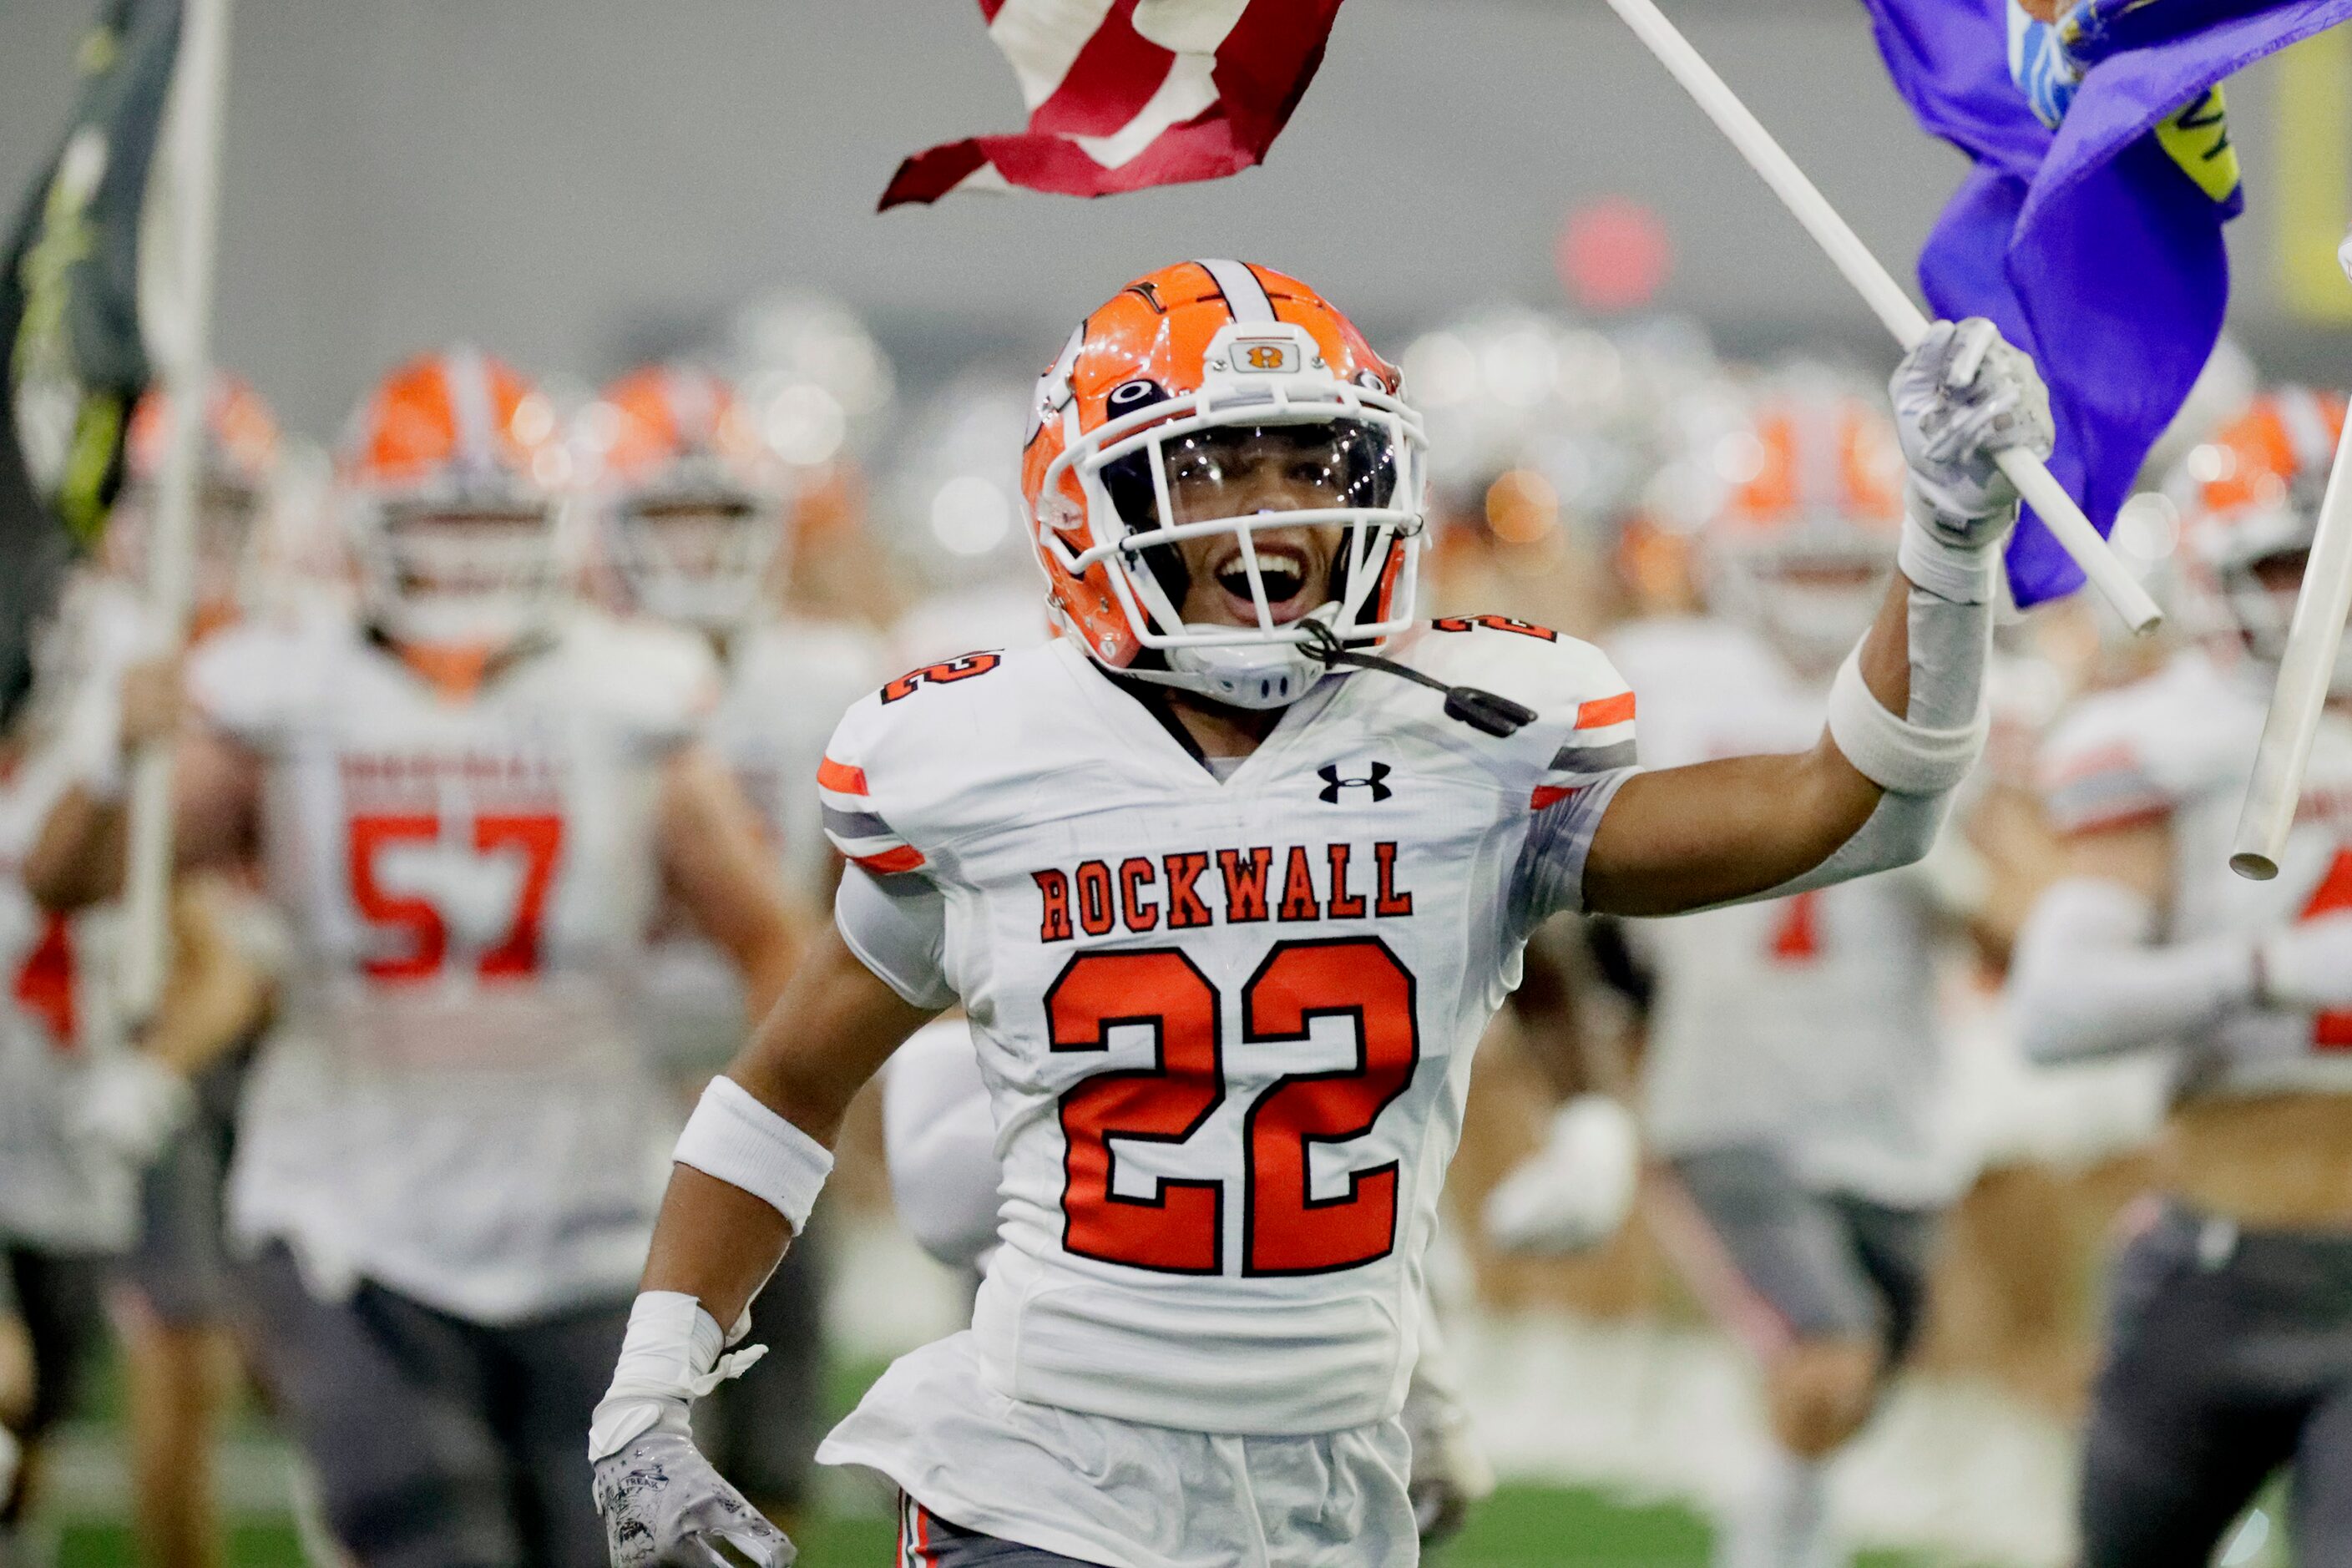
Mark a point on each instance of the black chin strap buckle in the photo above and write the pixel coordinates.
(1486, 712)
(1483, 710)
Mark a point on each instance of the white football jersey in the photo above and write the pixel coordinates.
(58, 1189)
(1806, 1025)
(455, 1101)
(2178, 746)
(1226, 1027)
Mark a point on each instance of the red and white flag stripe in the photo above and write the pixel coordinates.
(1123, 94)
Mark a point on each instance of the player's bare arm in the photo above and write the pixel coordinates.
(716, 868)
(77, 859)
(832, 1029)
(1906, 715)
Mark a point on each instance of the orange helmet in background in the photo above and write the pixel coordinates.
(237, 459)
(451, 476)
(1799, 543)
(691, 502)
(1171, 370)
(2251, 496)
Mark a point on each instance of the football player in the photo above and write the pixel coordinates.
(171, 1300)
(1229, 879)
(175, 1309)
(466, 804)
(2229, 1351)
(1794, 1057)
(692, 507)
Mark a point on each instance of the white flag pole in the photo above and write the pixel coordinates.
(1878, 289)
(2306, 670)
(192, 146)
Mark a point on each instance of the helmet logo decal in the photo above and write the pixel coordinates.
(1130, 395)
(1267, 356)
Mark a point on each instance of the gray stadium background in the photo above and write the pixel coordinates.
(579, 181)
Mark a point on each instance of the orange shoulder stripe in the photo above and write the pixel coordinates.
(1603, 711)
(906, 858)
(840, 777)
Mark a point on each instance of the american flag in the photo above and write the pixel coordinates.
(1123, 94)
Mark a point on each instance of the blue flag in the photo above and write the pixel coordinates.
(2097, 246)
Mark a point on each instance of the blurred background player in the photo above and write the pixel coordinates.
(2228, 1350)
(170, 1301)
(693, 509)
(466, 803)
(174, 1309)
(1546, 437)
(1793, 1049)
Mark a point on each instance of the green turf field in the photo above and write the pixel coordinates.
(1520, 1527)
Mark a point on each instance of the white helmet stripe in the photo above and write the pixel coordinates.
(467, 377)
(1243, 293)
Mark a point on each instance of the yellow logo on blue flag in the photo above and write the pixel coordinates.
(2198, 139)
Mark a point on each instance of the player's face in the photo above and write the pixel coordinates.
(695, 539)
(1248, 473)
(467, 552)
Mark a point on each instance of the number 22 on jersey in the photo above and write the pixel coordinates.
(536, 836)
(1181, 1229)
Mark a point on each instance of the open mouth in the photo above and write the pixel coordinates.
(1281, 568)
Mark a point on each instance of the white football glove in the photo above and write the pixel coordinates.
(664, 1505)
(131, 1105)
(2307, 968)
(1574, 1194)
(1960, 395)
(1450, 1471)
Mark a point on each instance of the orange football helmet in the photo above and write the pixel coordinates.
(691, 502)
(1800, 542)
(451, 473)
(1177, 375)
(237, 463)
(2249, 499)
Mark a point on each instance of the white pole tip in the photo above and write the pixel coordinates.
(2254, 866)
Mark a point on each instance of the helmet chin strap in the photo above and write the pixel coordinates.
(1274, 676)
(1483, 710)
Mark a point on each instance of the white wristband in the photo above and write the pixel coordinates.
(669, 1357)
(735, 1138)
(1894, 754)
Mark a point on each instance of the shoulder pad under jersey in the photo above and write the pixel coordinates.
(1583, 726)
(2139, 751)
(905, 753)
(256, 681)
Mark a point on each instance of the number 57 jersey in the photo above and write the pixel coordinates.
(1225, 1023)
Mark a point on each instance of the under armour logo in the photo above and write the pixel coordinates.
(1333, 784)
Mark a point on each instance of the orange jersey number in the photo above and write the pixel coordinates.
(45, 981)
(538, 836)
(1179, 1229)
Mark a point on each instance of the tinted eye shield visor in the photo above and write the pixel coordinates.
(1366, 445)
